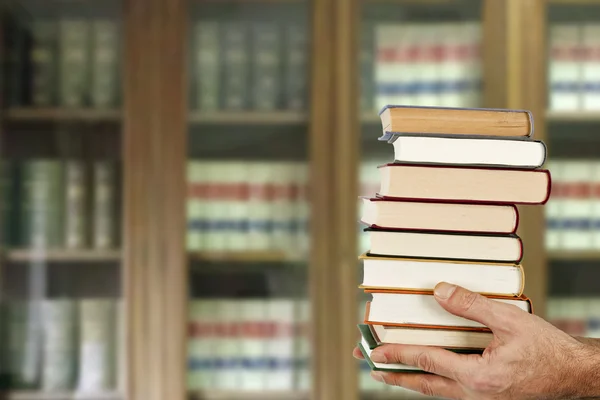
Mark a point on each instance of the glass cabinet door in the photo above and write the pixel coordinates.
(411, 53)
(573, 212)
(60, 265)
(247, 200)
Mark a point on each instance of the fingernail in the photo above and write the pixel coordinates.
(444, 290)
(378, 357)
(378, 376)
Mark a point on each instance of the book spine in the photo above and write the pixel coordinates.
(367, 57)
(75, 204)
(8, 203)
(42, 201)
(596, 205)
(195, 206)
(236, 64)
(430, 68)
(280, 350)
(303, 378)
(105, 63)
(18, 362)
(74, 41)
(402, 40)
(16, 68)
(227, 345)
(593, 318)
(253, 345)
(577, 206)
(266, 52)
(239, 209)
(260, 195)
(43, 62)
(553, 208)
(207, 66)
(201, 344)
(59, 355)
(121, 347)
(565, 67)
(472, 75)
(384, 67)
(281, 206)
(104, 205)
(96, 346)
(300, 238)
(296, 65)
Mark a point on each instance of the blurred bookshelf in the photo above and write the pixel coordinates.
(28, 255)
(62, 114)
(592, 255)
(572, 116)
(32, 395)
(244, 256)
(225, 395)
(249, 118)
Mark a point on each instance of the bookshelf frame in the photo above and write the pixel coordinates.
(155, 121)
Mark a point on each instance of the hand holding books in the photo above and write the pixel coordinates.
(528, 358)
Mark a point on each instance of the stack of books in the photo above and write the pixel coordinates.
(446, 211)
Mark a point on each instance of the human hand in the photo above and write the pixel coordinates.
(527, 359)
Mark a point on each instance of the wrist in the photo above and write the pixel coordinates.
(586, 372)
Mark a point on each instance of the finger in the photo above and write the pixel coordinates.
(358, 354)
(431, 359)
(459, 301)
(429, 385)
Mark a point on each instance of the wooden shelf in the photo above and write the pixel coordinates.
(243, 256)
(573, 116)
(247, 395)
(249, 118)
(62, 114)
(566, 255)
(38, 395)
(575, 2)
(27, 255)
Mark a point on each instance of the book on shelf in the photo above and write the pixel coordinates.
(236, 65)
(60, 350)
(207, 64)
(295, 66)
(16, 56)
(76, 216)
(105, 63)
(105, 225)
(573, 212)
(421, 310)
(266, 65)
(43, 62)
(464, 184)
(247, 344)
(74, 61)
(377, 212)
(591, 66)
(502, 279)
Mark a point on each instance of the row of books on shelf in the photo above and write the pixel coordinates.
(249, 344)
(573, 212)
(578, 316)
(421, 64)
(49, 203)
(72, 62)
(242, 65)
(240, 205)
(63, 344)
(574, 70)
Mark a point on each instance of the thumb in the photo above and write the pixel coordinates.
(497, 316)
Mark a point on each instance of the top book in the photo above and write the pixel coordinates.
(455, 121)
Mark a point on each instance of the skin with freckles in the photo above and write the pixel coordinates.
(528, 358)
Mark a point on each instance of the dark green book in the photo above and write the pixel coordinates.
(74, 60)
(43, 60)
(368, 344)
(15, 53)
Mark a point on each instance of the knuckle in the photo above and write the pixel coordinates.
(425, 387)
(424, 361)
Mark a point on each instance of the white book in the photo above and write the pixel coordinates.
(96, 346)
(216, 207)
(202, 320)
(60, 352)
(194, 205)
(385, 69)
(282, 208)
(253, 345)
(596, 204)
(237, 205)
(259, 224)
(565, 68)
(121, 347)
(280, 349)
(553, 208)
(303, 377)
(577, 205)
(591, 66)
(593, 317)
(302, 209)
(228, 345)
(429, 71)
(451, 64)
(472, 70)
(466, 151)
